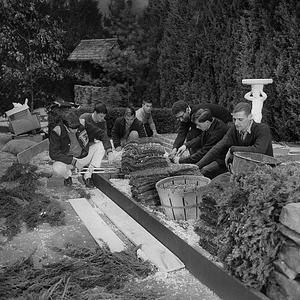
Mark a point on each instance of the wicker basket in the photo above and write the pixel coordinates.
(246, 162)
(180, 196)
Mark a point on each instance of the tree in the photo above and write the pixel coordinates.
(126, 65)
(80, 19)
(30, 51)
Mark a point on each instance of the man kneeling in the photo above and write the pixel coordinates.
(70, 147)
(127, 128)
(245, 136)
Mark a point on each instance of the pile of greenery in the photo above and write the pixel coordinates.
(22, 204)
(83, 274)
(249, 210)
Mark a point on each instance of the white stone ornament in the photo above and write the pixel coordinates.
(257, 96)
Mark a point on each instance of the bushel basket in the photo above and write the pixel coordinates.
(180, 196)
(246, 162)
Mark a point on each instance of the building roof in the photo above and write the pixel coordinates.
(96, 49)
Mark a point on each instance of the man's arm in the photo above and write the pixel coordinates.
(181, 135)
(217, 149)
(194, 142)
(263, 139)
(152, 125)
(99, 134)
(213, 138)
(115, 134)
(141, 129)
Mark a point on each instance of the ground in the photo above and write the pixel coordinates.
(176, 285)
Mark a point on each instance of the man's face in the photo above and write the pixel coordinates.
(202, 125)
(147, 107)
(241, 120)
(100, 117)
(128, 118)
(183, 116)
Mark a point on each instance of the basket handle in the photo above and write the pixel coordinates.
(186, 206)
(229, 167)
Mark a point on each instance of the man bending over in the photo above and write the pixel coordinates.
(187, 129)
(212, 131)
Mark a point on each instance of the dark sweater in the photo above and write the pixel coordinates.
(119, 130)
(187, 130)
(259, 140)
(88, 119)
(205, 141)
(59, 145)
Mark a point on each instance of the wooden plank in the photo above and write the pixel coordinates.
(100, 231)
(154, 250)
(26, 155)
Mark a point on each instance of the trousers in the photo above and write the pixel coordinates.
(213, 169)
(92, 160)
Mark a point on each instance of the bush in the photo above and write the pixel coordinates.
(248, 237)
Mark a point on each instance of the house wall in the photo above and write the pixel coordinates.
(88, 96)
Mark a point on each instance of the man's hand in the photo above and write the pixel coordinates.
(79, 165)
(110, 158)
(181, 150)
(118, 149)
(172, 153)
(228, 159)
(155, 134)
(176, 159)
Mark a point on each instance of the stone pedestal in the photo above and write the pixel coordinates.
(257, 96)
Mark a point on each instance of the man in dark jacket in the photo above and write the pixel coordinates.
(212, 131)
(244, 136)
(127, 128)
(69, 147)
(187, 129)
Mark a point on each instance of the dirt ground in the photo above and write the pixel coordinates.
(176, 285)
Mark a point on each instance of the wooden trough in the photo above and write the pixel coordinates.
(215, 278)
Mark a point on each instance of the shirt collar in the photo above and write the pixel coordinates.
(248, 130)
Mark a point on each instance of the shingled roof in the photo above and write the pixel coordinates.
(96, 49)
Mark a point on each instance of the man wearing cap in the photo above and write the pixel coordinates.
(70, 147)
(245, 136)
(212, 131)
(187, 129)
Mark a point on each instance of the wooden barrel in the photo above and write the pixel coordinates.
(246, 162)
(180, 196)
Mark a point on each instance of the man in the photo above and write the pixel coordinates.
(97, 117)
(212, 131)
(127, 128)
(144, 115)
(187, 129)
(244, 136)
(70, 147)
